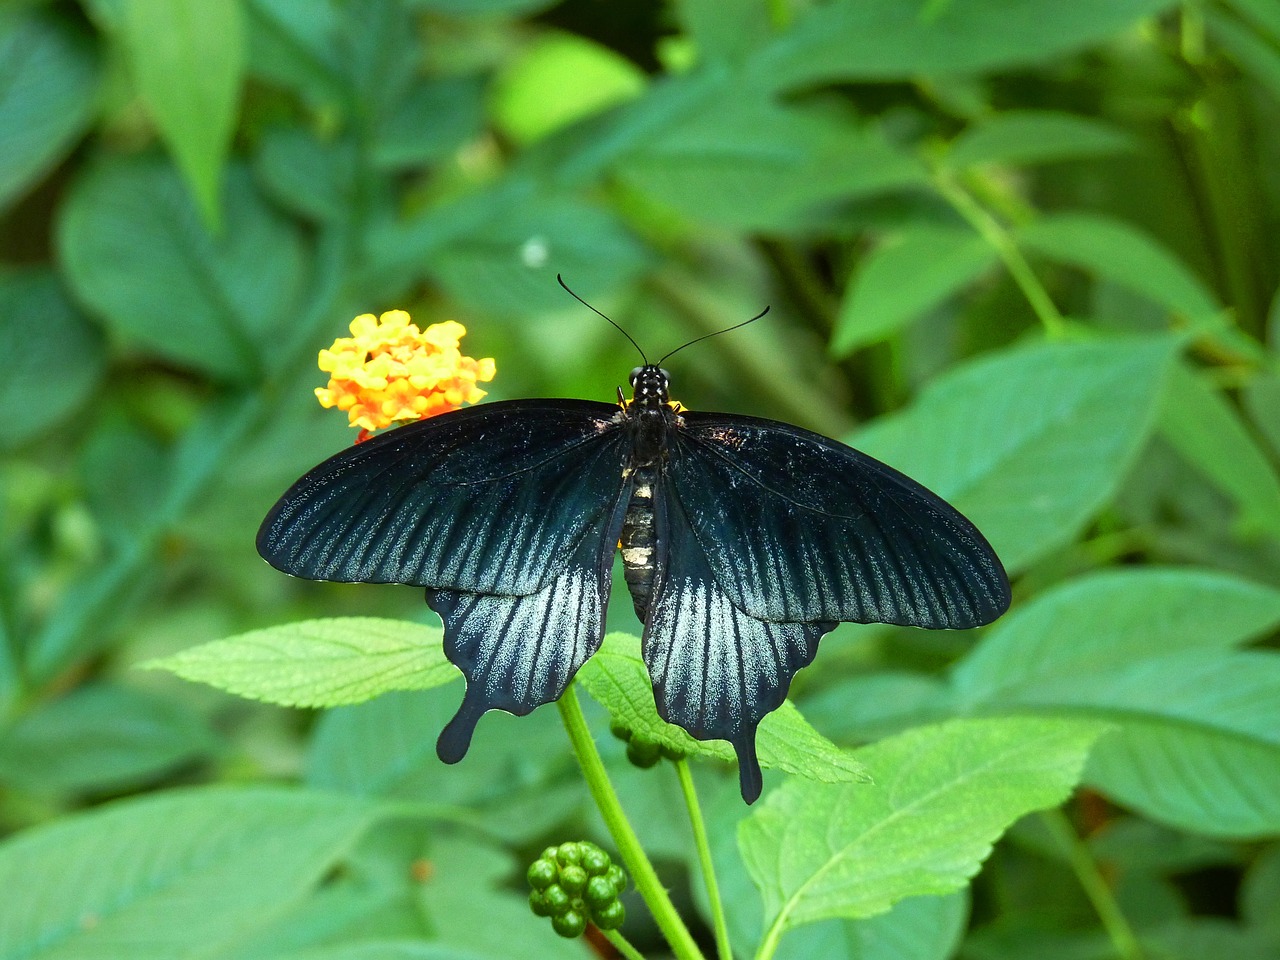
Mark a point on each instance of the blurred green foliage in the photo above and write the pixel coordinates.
(1023, 250)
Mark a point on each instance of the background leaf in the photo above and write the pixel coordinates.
(43, 331)
(319, 663)
(1029, 442)
(904, 277)
(1124, 255)
(187, 58)
(47, 94)
(136, 253)
(173, 876)
(1022, 137)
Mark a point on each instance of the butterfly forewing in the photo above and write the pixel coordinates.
(492, 499)
(800, 528)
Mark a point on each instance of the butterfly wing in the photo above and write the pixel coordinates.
(771, 534)
(816, 530)
(488, 499)
(508, 513)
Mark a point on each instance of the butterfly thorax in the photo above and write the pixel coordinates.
(651, 414)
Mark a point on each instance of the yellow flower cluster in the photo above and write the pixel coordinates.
(389, 371)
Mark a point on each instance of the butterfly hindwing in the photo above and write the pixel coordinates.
(799, 528)
(519, 652)
(491, 499)
(716, 670)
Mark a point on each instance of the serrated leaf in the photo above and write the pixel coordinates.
(617, 679)
(1206, 430)
(942, 796)
(47, 94)
(1031, 441)
(1024, 137)
(854, 40)
(1094, 624)
(187, 57)
(51, 357)
(135, 251)
(319, 663)
(1121, 253)
(905, 277)
(171, 876)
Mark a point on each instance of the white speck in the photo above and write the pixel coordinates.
(535, 252)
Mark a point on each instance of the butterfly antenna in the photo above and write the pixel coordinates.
(560, 280)
(709, 335)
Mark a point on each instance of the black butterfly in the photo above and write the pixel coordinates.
(743, 541)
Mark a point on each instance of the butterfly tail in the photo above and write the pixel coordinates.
(749, 776)
(455, 738)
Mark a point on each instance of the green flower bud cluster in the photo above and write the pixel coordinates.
(574, 883)
(642, 751)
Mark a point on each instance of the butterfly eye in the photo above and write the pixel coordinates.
(666, 377)
(634, 375)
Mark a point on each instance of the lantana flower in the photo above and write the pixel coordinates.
(388, 371)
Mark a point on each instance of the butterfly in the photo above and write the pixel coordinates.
(743, 542)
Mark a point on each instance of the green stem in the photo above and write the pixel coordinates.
(622, 945)
(633, 855)
(994, 232)
(723, 948)
(1122, 937)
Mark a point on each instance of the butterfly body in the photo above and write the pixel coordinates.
(743, 542)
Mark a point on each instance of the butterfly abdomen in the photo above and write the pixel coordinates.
(638, 541)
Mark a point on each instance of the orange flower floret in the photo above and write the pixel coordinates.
(388, 371)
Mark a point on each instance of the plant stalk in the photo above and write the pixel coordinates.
(615, 818)
(724, 951)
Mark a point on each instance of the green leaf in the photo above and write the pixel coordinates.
(513, 777)
(852, 40)
(319, 663)
(1031, 441)
(942, 796)
(1206, 430)
(177, 875)
(187, 58)
(1025, 137)
(906, 276)
(308, 175)
(508, 261)
(559, 80)
(1205, 781)
(433, 119)
(99, 738)
(1116, 251)
(866, 707)
(1254, 55)
(1095, 624)
(1265, 14)
(297, 46)
(727, 31)
(617, 679)
(51, 358)
(1262, 400)
(48, 95)
(1198, 738)
(742, 161)
(134, 249)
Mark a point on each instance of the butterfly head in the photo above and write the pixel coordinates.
(649, 386)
